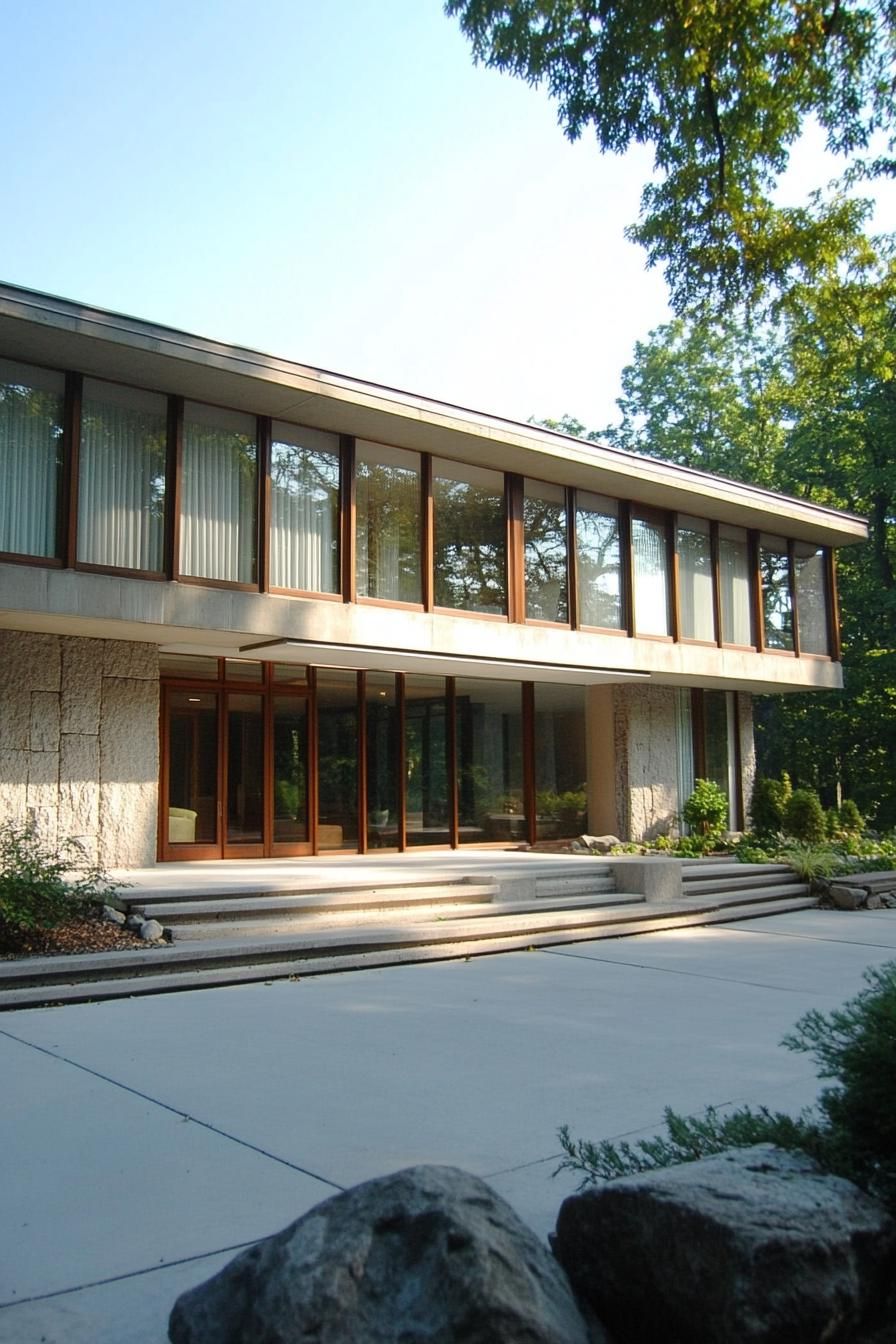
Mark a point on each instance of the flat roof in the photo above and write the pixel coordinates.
(61, 333)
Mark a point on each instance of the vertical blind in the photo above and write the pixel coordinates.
(651, 577)
(734, 585)
(695, 579)
(121, 477)
(31, 403)
(219, 495)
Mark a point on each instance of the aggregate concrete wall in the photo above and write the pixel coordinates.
(646, 761)
(747, 750)
(79, 742)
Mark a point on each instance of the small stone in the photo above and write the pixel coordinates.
(151, 930)
(112, 916)
(600, 844)
(135, 922)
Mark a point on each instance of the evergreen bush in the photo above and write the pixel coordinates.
(804, 817)
(706, 811)
(42, 887)
(767, 804)
(850, 819)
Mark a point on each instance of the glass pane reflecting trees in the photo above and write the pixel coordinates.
(387, 511)
(545, 557)
(31, 404)
(599, 561)
(470, 538)
(304, 509)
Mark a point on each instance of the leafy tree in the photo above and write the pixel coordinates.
(722, 90)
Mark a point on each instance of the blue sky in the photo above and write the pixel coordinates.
(333, 183)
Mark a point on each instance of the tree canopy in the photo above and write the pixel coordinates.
(722, 90)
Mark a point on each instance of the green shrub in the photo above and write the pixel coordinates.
(804, 817)
(41, 887)
(850, 819)
(768, 802)
(852, 1132)
(706, 811)
(811, 861)
(748, 849)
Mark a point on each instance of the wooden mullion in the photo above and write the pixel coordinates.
(527, 689)
(791, 585)
(516, 587)
(715, 551)
(427, 536)
(347, 513)
(673, 581)
(265, 433)
(451, 725)
(756, 602)
(572, 562)
(627, 566)
(175, 494)
(833, 605)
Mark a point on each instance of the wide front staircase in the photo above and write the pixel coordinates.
(341, 922)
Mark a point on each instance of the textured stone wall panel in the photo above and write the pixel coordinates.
(649, 744)
(82, 681)
(44, 725)
(36, 658)
(42, 792)
(747, 748)
(129, 771)
(13, 785)
(15, 707)
(79, 790)
(134, 662)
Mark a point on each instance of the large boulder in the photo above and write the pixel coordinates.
(754, 1245)
(430, 1253)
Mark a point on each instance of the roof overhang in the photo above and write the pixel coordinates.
(63, 334)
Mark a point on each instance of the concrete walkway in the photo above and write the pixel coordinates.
(144, 1140)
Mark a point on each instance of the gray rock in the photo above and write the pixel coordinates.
(151, 930)
(135, 922)
(599, 844)
(427, 1254)
(112, 916)
(873, 901)
(755, 1246)
(847, 898)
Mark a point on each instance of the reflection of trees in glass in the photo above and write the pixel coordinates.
(426, 759)
(219, 495)
(811, 598)
(489, 753)
(470, 563)
(777, 612)
(30, 460)
(388, 531)
(544, 524)
(304, 517)
(598, 568)
(696, 581)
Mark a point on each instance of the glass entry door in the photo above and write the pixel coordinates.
(234, 773)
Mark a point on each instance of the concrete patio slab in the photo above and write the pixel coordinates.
(345, 1077)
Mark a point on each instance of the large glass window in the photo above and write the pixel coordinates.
(777, 610)
(560, 766)
(544, 526)
(734, 586)
(337, 768)
(426, 761)
(720, 745)
(192, 767)
(488, 715)
(651, 575)
(219, 495)
(121, 477)
(382, 737)
(31, 405)
(695, 579)
(304, 509)
(245, 770)
(387, 507)
(599, 561)
(290, 743)
(810, 565)
(470, 538)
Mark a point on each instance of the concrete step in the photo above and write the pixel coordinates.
(222, 927)
(579, 884)
(296, 966)
(719, 868)
(277, 905)
(741, 882)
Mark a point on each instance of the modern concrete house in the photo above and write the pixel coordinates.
(252, 608)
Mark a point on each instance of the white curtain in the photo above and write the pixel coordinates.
(121, 486)
(734, 577)
(304, 511)
(31, 403)
(651, 580)
(695, 580)
(218, 495)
